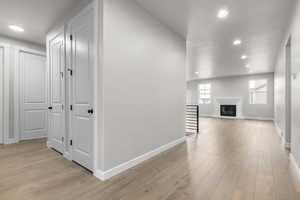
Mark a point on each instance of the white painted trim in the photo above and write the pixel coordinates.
(278, 130)
(258, 118)
(16, 96)
(280, 133)
(67, 155)
(96, 141)
(32, 138)
(295, 166)
(48, 144)
(104, 175)
(240, 118)
(5, 99)
(6, 96)
(10, 141)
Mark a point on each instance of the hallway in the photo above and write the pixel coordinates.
(229, 160)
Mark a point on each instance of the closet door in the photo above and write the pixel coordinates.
(33, 89)
(82, 115)
(56, 63)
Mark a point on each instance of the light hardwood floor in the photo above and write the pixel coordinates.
(229, 160)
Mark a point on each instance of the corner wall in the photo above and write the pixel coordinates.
(143, 86)
(295, 89)
(280, 88)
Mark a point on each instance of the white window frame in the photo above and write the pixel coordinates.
(253, 91)
(204, 93)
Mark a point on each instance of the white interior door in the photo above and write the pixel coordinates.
(1, 95)
(56, 62)
(82, 120)
(33, 96)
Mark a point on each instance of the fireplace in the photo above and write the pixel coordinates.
(228, 110)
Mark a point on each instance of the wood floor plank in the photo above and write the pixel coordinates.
(228, 160)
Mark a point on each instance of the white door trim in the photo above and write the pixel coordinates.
(5, 100)
(17, 107)
(97, 83)
(288, 97)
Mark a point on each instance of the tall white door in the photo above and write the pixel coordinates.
(33, 89)
(1, 95)
(82, 54)
(56, 63)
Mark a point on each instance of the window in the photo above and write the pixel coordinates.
(258, 91)
(204, 94)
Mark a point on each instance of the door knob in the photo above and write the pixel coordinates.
(50, 107)
(91, 111)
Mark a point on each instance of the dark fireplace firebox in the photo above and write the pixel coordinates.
(228, 110)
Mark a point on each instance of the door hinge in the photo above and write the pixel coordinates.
(71, 72)
(62, 107)
(71, 37)
(62, 75)
(62, 139)
(71, 142)
(71, 107)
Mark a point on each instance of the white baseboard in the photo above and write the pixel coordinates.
(48, 144)
(14, 140)
(11, 141)
(240, 117)
(105, 175)
(67, 156)
(40, 136)
(278, 130)
(284, 143)
(295, 165)
(259, 118)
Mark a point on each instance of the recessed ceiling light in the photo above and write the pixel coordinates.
(196, 72)
(248, 66)
(16, 28)
(243, 57)
(222, 13)
(237, 42)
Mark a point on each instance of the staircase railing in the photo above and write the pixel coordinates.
(192, 119)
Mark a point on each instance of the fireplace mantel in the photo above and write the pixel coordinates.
(228, 101)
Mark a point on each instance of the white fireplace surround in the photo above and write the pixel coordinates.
(228, 101)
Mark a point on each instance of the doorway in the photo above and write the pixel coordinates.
(32, 98)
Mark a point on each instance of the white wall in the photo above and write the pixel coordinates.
(280, 95)
(236, 86)
(12, 45)
(280, 90)
(143, 89)
(295, 90)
